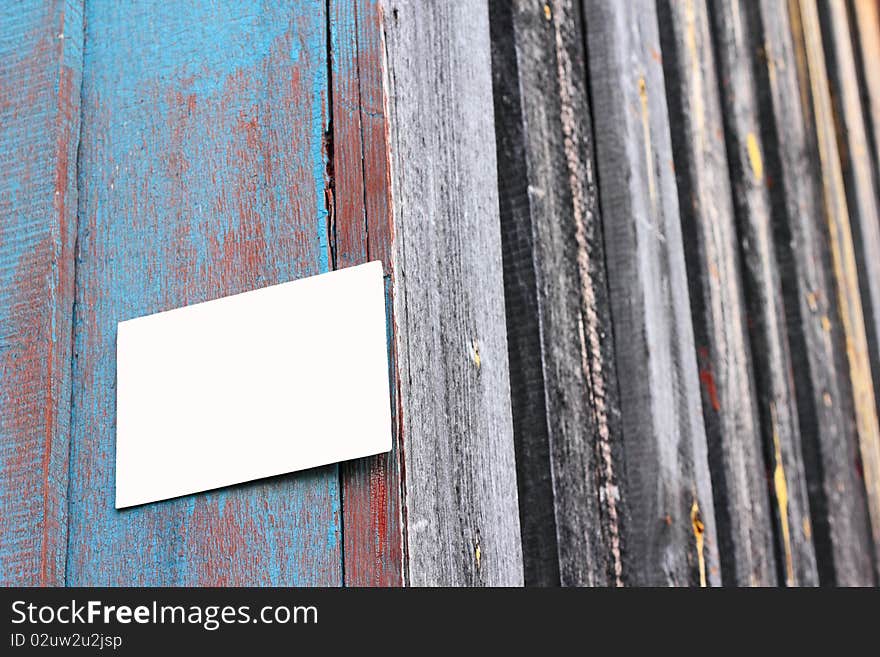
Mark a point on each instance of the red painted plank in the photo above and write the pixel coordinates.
(202, 174)
(40, 75)
(373, 540)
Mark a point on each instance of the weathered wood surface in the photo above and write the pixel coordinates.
(360, 232)
(657, 309)
(840, 217)
(40, 74)
(462, 523)
(745, 534)
(864, 18)
(770, 355)
(563, 380)
(856, 164)
(837, 508)
(201, 174)
(863, 204)
(671, 537)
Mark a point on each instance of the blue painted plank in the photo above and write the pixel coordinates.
(202, 174)
(40, 75)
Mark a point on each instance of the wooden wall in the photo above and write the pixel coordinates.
(689, 208)
(632, 260)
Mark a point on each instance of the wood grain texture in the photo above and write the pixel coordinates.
(40, 78)
(745, 532)
(672, 537)
(527, 378)
(771, 358)
(202, 174)
(824, 400)
(563, 379)
(361, 231)
(841, 217)
(462, 524)
(863, 204)
(864, 19)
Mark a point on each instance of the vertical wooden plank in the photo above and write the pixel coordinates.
(771, 358)
(462, 525)
(202, 174)
(863, 203)
(730, 413)
(865, 23)
(531, 428)
(672, 535)
(560, 343)
(824, 401)
(40, 80)
(372, 530)
(843, 252)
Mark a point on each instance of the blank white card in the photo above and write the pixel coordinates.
(262, 383)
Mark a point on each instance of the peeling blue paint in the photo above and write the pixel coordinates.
(202, 167)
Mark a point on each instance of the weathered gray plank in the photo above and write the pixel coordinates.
(462, 523)
(723, 354)
(672, 535)
(563, 379)
(776, 397)
(865, 24)
(842, 219)
(824, 400)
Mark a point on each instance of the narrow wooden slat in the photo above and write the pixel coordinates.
(40, 80)
(561, 349)
(462, 524)
(348, 224)
(841, 217)
(672, 533)
(202, 174)
(730, 413)
(865, 25)
(838, 518)
(372, 534)
(527, 382)
(771, 358)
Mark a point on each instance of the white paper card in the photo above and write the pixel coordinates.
(262, 383)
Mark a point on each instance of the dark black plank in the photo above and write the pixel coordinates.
(560, 342)
(671, 533)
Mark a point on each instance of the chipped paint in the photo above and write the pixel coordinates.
(755, 159)
(184, 227)
(39, 126)
(707, 379)
(475, 353)
(372, 488)
(780, 487)
(699, 530)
